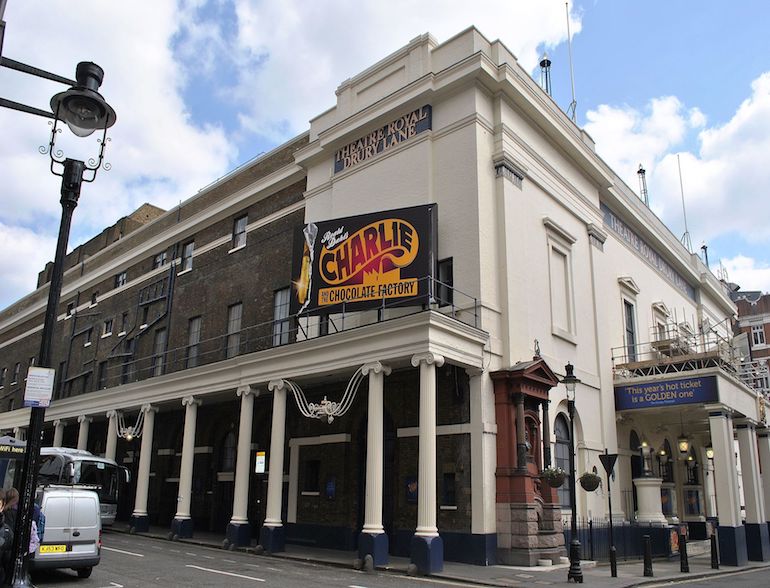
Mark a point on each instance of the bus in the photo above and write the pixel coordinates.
(64, 465)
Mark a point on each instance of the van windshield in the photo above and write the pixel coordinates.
(99, 474)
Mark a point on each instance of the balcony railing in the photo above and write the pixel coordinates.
(124, 367)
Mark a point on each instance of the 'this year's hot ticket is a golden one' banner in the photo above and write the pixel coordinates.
(359, 261)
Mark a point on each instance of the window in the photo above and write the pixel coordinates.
(239, 232)
(158, 352)
(94, 298)
(102, 375)
(228, 452)
(448, 489)
(311, 481)
(193, 341)
(281, 323)
(107, 328)
(120, 279)
(159, 260)
(3, 376)
(128, 368)
(758, 335)
(59, 377)
(187, 255)
(123, 322)
(87, 337)
(444, 290)
(16, 371)
(561, 456)
(630, 326)
(70, 309)
(145, 316)
(32, 361)
(233, 342)
(560, 280)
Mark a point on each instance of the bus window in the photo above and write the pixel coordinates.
(98, 474)
(50, 472)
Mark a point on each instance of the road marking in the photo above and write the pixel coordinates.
(229, 560)
(121, 551)
(208, 556)
(114, 585)
(225, 573)
(190, 553)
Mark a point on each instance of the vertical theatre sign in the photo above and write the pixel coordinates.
(384, 138)
(364, 261)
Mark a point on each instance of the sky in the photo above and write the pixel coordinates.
(203, 86)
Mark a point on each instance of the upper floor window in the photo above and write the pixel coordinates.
(444, 291)
(94, 298)
(159, 260)
(630, 327)
(16, 372)
(87, 337)
(107, 328)
(187, 255)
(233, 342)
(758, 334)
(120, 279)
(158, 352)
(70, 308)
(123, 322)
(3, 376)
(193, 341)
(281, 323)
(239, 231)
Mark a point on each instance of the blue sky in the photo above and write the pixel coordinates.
(201, 86)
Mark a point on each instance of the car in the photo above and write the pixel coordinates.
(72, 537)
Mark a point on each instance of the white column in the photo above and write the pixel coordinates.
(145, 456)
(483, 453)
(277, 439)
(374, 448)
(85, 423)
(110, 448)
(426, 478)
(752, 486)
(241, 495)
(58, 433)
(188, 457)
(725, 469)
(763, 441)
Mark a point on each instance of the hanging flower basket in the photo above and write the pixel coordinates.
(590, 481)
(554, 477)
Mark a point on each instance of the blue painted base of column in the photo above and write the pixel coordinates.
(238, 534)
(140, 523)
(272, 539)
(732, 546)
(757, 542)
(427, 554)
(181, 528)
(375, 545)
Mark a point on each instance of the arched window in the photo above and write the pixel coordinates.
(561, 429)
(228, 453)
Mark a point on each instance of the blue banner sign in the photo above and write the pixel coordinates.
(666, 393)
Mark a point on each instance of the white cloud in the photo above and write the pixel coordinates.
(748, 273)
(23, 254)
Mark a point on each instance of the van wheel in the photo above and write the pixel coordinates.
(84, 572)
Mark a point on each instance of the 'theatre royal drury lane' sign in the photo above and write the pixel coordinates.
(382, 139)
(361, 261)
(666, 393)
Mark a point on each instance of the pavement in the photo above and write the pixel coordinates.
(629, 573)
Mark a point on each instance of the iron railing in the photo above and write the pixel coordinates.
(594, 537)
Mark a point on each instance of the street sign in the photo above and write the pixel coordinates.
(608, 461)
(39, 386)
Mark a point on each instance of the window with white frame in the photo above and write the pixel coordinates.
(560, 280)
(107, 328)
(193, 341)
(561, 456)
(16, 372)
(120, 279)
(239, 231)
(629, 323)
(3, 376)
(233, 341)
(281, 323)
(158, 352)
(757, 335)
(159, 260)
(187, 255)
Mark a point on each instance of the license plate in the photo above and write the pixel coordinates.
(53, 548)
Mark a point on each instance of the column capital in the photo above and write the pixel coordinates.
(190, 400)
(427, 358)
(148, 408)
(246, 389)
(112, 414)
(375, 367)
(745, 423)
(83, 419)
(58, 422)
(276, 385)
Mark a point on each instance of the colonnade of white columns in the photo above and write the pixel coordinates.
(139, 520)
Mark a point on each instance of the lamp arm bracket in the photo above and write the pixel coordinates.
(35, 71)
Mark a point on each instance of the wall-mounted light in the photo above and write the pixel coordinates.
(709, 452)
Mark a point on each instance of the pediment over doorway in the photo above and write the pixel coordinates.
(534, 378)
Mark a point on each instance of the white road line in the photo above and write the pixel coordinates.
(121, 551)
(356, 586)
(208, 556)
(191, 553)
(225, 573)
(229, 560)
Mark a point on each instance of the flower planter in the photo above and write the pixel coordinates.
(590, 481)
(554, 478)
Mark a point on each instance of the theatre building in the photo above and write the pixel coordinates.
(357, 340)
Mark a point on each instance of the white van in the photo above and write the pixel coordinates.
(72, 536)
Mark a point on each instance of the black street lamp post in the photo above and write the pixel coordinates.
(570, 383)
(84, 111)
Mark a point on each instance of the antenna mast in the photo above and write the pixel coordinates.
(545, 73)
(643, 185)
(686, 237)
(572, 105)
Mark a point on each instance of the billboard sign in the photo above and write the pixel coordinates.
(361, 261)
(666, 393)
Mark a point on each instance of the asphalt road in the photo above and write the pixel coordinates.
(130, 561)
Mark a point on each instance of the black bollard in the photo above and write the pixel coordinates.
(647, 557)
(714, 552)
(684, 564)
(613, 562)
